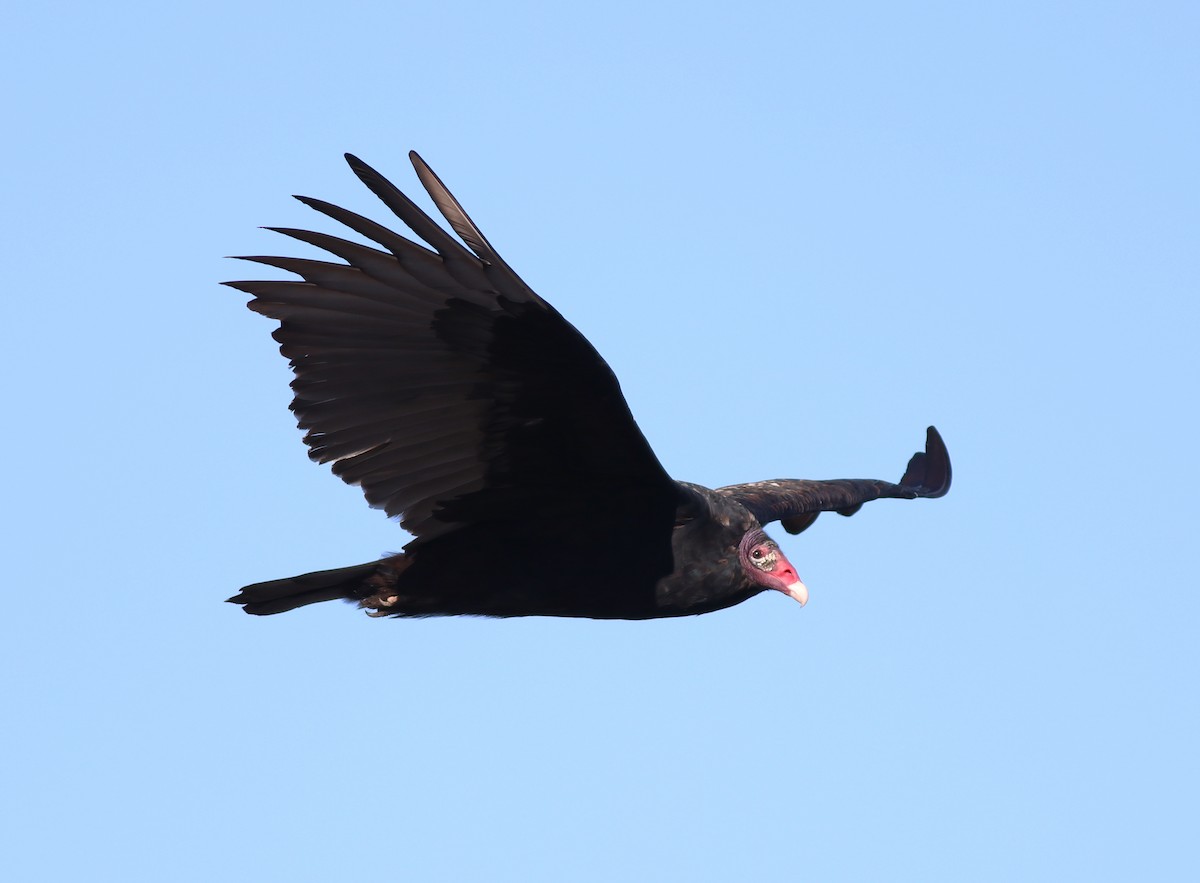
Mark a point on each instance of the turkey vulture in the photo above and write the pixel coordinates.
(460, 401)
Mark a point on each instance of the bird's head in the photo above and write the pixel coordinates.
(764, 564)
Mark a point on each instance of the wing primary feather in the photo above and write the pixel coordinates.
(929, 471)
(462, 224)
(327, 274)
(410, 278)
(408, 211)
(374, 231)
(450, 208)
(467, 271)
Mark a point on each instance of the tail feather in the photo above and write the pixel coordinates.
(280, 595)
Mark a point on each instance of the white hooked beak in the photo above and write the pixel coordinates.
(797, 590)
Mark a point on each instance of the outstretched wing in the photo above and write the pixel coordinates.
(441, 384)
(796, 503)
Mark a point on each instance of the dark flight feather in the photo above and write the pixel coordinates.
(796, 502)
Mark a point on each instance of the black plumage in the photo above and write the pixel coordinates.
(463, 403)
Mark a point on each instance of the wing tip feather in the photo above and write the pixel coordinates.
(929, 472)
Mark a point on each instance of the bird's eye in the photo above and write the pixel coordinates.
(763, 556)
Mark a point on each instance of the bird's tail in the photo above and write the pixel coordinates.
(368, 584)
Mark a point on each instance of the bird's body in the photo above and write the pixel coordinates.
(462, 402)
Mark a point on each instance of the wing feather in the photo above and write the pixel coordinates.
(796, 503)
(432, 377)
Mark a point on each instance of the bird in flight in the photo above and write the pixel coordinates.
(435, 379)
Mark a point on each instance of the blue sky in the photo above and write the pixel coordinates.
(876, 217)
